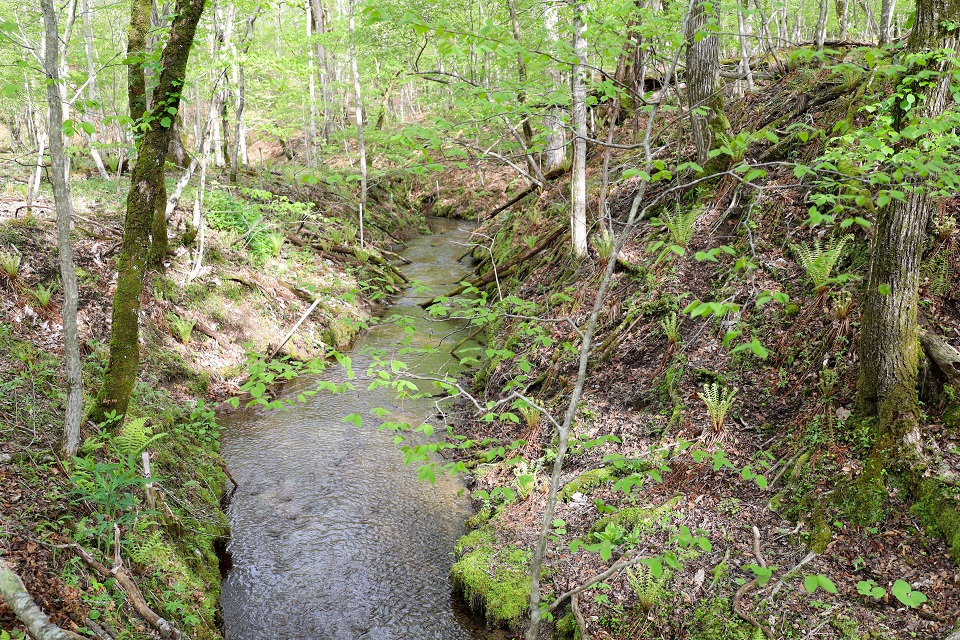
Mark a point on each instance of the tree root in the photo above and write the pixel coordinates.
(746, 588)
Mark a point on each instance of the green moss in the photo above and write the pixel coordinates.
(951, 416)
(714, 620)
(567, 628)
(585, 482)
(479, 519)
(494, 580)
(642, 518)
(821, 534)
(937, 509)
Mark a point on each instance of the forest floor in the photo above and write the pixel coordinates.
(790, 419)
(199, 326)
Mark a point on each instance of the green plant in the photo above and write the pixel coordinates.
(9, 263)
(903, 592)
(647, 588)
(530, 241)
(275, 243)
(719, 401)
(679, 224)
(42, 294)
(603, 243)
(183, 327)
(134, 437)
(671, 327)
(870, 588)
(819, 260)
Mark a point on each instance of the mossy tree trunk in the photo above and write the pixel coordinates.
(889, 339)
(147, 197)
(707, 118)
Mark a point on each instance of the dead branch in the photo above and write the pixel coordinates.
(164, 627)
(749, 586)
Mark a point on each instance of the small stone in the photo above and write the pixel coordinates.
(5, 458)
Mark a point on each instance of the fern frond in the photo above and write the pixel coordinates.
(719, 401)
(135, 437)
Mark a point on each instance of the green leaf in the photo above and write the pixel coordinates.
(354, 418)
(904, 593)
(165, 122)
(884, 289)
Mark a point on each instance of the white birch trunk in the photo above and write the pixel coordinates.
(578, 182)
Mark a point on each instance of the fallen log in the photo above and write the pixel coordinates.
(943, 355)
(15, 594)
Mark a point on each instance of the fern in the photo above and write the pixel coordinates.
(182, 326)
(647, 588)
(603, 243)
(10, 264)
(937, 270)
(135, 437)
(152, 550)
(719, 401)
(671, 327)
(819, 260)
(680, 225)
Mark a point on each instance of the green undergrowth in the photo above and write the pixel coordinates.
(493, 579)
(642, 518)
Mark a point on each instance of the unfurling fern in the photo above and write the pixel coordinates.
(819, 260)
(135, 437)
(647, 588)
(719, 400)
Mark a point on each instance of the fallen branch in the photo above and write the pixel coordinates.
(943, 355)
(622, 563)
(553, 175)
(164, 627)
(749, 586)
(290, 333)
(15, 594)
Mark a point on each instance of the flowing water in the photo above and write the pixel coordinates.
(332, 536)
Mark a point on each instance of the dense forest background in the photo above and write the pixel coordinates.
(711, 329)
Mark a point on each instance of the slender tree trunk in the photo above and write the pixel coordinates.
(745, 34)
(578, 180)
(707, 117)
(843, 12)
(312, 91)
(63, 203)
(137, 32)
(889, 347)
(147, 194)
(359, 111)
(555, 152)
(92, 88)
(886, 20)
(821, 34)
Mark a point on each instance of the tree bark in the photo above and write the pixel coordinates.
(555, 143)
(15, 594)
(62, 201)
(889, 339)
(359, 112)
(137, 32)
(886, 20)
(92, 87)
(146, 197)
(707, 117)
(578, 181)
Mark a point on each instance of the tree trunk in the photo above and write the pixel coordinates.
(358, 107)
(147, 195)
(745, 35)
(137, 32)
(555, 143)
(578, 180)
(886, 20)
(92, 88)
(62, 201)
(707, 117)
(889, 345)
(821, 34)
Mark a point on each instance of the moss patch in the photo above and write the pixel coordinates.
(937, 509)
(636, 517)
(585, 482)
(494, 580)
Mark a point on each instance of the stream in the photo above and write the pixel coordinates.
(332, 536)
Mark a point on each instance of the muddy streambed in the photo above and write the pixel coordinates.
(332, 536)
